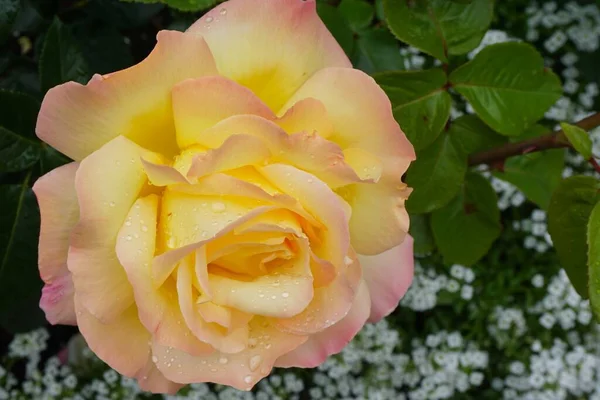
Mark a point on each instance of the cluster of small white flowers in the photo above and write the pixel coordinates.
(506, 324)
(413, 58)
(492, 36)
(536, 227)
(577, 23)
(558, 372)
(562, 305)
(427, 283)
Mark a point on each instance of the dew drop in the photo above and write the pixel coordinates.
(248, 379)
(255, 362)
(209, 19)
(310, 180)
(154, 359)
(128, 223)
(268, 346)
(223, 360)
(285, 295)
(128, 237)
(218, 206)
(112, 204)
(144, 228)
(273, 297)
(347, 260)
(252, 342)
(171, 242)
(223, 11)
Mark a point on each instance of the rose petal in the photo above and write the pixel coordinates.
(136, 102)
(122, 343)
(241, 370)
(199, 104)
(157, 308)
(331, 341)
(388, 276)
(57, 300)
(152, 380)
(307, 115)
(59, 213)
(365, 121)
(107, 183)
(273, 52)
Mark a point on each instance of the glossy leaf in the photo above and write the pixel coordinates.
(358, 13)
(579, 139)
(19, 147)
(420, 103)
(19, 276)
(465, 229)
(471, 135)
(61, 60)
(376, 51)
(436, 176)
(439, 27)
(337, 25)
(508, 86)
(536, 174)
(568, 214)
(593, 256)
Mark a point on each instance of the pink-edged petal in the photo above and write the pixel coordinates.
(157, 307)
(307, 115)
(305, 150)
(236, 151)
(329, 305)
(136, 102)
(362, 118)
(332, 340)
(59, 213)
(271, 47)
(107, 183)
(122, 343)
(242, 370)
(199, 104)
(152, 380)
(388, 276)
(57, 300)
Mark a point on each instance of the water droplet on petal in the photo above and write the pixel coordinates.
(347, 260)
(112, 204)
(218, 206)
(285, 295)
(128, 237)
(144, 228)
(223, 360)
(223, 11)
(248, 379)
(154, 359)
(209, 19)
(255, 362)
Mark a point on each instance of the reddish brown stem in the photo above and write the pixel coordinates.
(552, 140)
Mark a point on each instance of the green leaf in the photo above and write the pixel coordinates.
(8, 12)
(358, 13)
(579, 139)
(61, 60)
(568, 214)
(436, 176)
(537, 174)
(439, 27)
(420, 102)
(593, 244)
(508, 86)
(190, 5)
(465, 229)
(420, 230)
(471, 135)
(103, 47)
(19, 147)
(376, 51)
(337, 25)
(19, 276)
(51, 159)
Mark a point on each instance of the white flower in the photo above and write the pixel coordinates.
(467, 292)
(547, 320)
(537, 281)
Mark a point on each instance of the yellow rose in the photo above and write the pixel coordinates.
(235, 202)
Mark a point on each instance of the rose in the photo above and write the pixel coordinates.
(235, 202)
